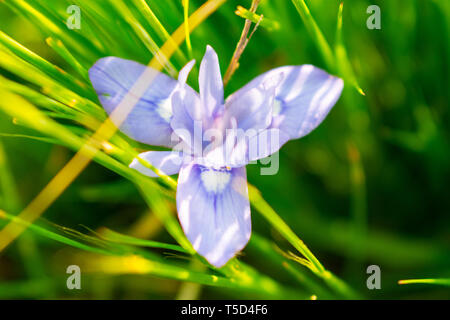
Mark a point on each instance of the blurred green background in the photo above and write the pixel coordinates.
(369, 186)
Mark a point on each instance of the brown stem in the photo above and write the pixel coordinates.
(240, 47)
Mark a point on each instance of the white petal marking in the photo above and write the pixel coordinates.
(215, 180)
(299, 82)
(276, 107)
(184, 213)
(315, 102)
(197, 242)
(165, 109)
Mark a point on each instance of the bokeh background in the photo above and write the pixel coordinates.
(369, 186)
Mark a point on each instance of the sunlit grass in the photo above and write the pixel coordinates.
(444, 282)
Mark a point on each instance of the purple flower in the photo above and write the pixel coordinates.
(212, 138)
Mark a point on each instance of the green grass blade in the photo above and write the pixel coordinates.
(61, 49)
(315, 33)
(26, 136)
(144, 37)
(10, 196)
(274, 219)
(269, 24)
(157, 26)
(186, 27)
(43, 65)
(37, 97)
(52, 235)
(343, 63)
(49, 86)
(52, 25)
(437, 281)
(113, 236)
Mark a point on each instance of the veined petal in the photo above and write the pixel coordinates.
(210, 83)
(265, 143)
(303, 97)
(187, 119)
(168, 162)
(149, 120)
(245, 117)
(255, 147)
(252, 110)
(214, 211)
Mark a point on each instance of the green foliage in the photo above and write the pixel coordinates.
(367, 187)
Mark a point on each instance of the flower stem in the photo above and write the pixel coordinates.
(243, 41)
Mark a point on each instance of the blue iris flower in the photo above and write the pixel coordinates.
(212, 138)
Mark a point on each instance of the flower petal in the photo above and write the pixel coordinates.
(243, 118)
(149, 120)
(187, 113)
(210, 83)
(214, 211)
(252, 110)
(303, 97)
(255, 147)
(184, 73)
(169, 162)
(265, 143)
(187, 119)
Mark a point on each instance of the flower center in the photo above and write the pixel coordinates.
(215, 180)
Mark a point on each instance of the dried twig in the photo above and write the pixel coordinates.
(243, 41)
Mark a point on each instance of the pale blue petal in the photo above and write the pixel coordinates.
(303, 97)
(184, 73)
(265, 144)
(214, 211)
(168, 162)
(188, 112)
(149, 120)
(187, 119)
(255, 147)
(244, 118)
(210, 83)
(252, 110)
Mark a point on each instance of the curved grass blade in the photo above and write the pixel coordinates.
(186, 27)
(61, 49)
(157, 26)
(52, 235)
(113, 236)
(436, 281)
(52, 25)
(43, 65)
(315, 33)
(49, 86)
(127, 16)
(258, 202)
